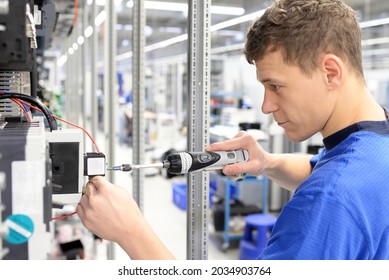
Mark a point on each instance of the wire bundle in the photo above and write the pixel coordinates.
(49, 116)
(22, 99)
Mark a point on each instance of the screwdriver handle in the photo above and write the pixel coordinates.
(184, 162)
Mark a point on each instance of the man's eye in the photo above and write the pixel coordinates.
(275, 87)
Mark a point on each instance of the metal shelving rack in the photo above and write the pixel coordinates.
(229, 185)
(198, 133)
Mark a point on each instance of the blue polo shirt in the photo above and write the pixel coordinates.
(341, 211)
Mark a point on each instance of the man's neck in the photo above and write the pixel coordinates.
(354, 104)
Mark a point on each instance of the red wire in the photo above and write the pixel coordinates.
(22, 107)
(65, 121)
(63, 216)
(18, 103)
(83, 129)
(75, 13)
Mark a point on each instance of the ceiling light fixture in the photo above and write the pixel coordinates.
(166, 43)
(166, 6)
(238, 20)
(229, 48)
(62, 60)
(375, 41)
(80, 40)
(229, 23)
(102, 2)
(375, 22)
(100, 18)
(183, 7)
(88, 31)
(375, 52)
(224, 10)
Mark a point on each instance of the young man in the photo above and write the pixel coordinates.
(308, 58)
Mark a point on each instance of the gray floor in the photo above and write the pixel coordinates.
(167, 220)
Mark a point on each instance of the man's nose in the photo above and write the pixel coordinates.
(269, 104)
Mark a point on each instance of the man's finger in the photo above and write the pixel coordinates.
(98, 181)
(90, 189)
(80, 211)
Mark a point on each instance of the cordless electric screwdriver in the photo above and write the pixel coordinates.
(184, 162)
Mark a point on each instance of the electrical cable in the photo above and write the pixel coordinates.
(83, 129)
(16, 101)
(69, 123)
(63, 216)
(33, 74)
(75, 18)
(20, 101)
(50, 119)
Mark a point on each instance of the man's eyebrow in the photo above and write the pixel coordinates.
(268, 80)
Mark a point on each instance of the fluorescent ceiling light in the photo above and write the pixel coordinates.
(102, 2)
(88, 31)
(229, 48)
(229, 23)
(71, 51)
(170, 29)
(62, 60)
(375, 22)
(375, 41)
(183, 37)
(80, 40)
(375, 52)
(124, 56)
(75, 46)
(237, 20)
(183, 7)
(166, 43)
(100, 18)
(166, 6)
(223, 10)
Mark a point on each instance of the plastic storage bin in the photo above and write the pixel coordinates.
(179, 195)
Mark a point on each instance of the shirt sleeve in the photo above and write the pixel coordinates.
(315, 227)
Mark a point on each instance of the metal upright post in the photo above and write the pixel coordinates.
(94, 37)
(199, 76)
(110, 93)
(138, 80)
(75, 106)
(71, 107)
(84, 84)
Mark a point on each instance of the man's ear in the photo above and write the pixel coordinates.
(334, 69)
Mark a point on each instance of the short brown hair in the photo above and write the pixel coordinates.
(303, 29)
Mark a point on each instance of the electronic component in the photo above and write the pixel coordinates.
(66, 153)
(26, 164)
(94, 164)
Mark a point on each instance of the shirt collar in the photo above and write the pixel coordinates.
(380, 127)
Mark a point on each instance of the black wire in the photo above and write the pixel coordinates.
(33, 100)
(33, 75)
